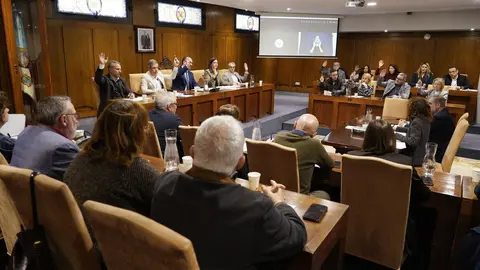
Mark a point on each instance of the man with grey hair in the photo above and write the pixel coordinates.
(442, 125)
(110, 86)
(310, 151)
(47, 147)
(231, 77)
(398, 88)
(230, 226)
(164, 117)
(152, 81)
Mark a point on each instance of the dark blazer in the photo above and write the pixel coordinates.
(461, 81)
(6, 146)
(419, 192)
(441, 131)
(427, 79)
(180, 81)
(42, 149)
(163, 120)
(231, 227)
(336, 87)
(110, 89)
(417, 136)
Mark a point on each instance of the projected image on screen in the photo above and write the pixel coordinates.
(298, 36)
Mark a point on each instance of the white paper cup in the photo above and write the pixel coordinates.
(378, 117)
(253, 180)
(476, 174)
(260, 83)
(187, 160)
(246, 85)
(145, 98)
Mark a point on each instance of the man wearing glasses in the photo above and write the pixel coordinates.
(164, 117)
(47, 147)
(398, 88)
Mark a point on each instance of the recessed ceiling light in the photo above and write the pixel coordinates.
(386, 31)
(288, 9)
(472, 29)
(371, 4)
(246, 9)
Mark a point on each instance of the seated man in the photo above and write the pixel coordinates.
(152, 81)
(182, 77)
(442, 125)
(164, 117)
(47, 147)
(310, 151)
(333, 84)
(6, 143)
(456, 80)
(111, 86)
(231, 77)
(230, 226)
(342, 75)
(395, 88)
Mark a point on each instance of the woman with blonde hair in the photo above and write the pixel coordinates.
(423, 77)
(109, 169)
(364, 88)
(437, 90)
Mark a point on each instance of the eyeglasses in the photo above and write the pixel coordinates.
(76, 115)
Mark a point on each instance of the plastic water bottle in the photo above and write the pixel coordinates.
(256, 133)
(429, 164)
(171, 151)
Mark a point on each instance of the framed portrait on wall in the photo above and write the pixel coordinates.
(144, 39)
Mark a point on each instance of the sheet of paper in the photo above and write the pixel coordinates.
(183, 95)
(401, 145)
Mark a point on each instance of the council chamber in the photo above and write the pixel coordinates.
(220, 134)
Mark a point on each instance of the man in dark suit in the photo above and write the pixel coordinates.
(47, 147)
(441, 127)
(111, 85)
(164, 117)
(182, 77)
(456, 80)
(231, 227)
(333, 84)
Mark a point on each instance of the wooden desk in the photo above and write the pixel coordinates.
(325, 240)
(254, 102)
(446, 199)
(467, 98)
(335, 112)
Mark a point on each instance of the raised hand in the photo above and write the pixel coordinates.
(325, 63)
(245, 66)
(102, 58)
(380, 63)
(356, 68)
(322, 79)
(383, 73)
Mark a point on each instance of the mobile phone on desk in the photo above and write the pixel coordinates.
(315, 212)
(337, 164)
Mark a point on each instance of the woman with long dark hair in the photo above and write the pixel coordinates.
(211, 75)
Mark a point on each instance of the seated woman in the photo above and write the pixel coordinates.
(6, 143)
(109, 169)
(418, 132)
(357, 74)
(211, 76)
(363, 87)
(438, 89)
(392, 72)
(423, 76)
(229, 109)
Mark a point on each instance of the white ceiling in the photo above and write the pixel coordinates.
(337, 7)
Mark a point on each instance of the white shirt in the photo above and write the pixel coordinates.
(454, 82)
(158, 83)
(234, 78)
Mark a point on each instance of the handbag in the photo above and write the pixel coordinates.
(31, 251)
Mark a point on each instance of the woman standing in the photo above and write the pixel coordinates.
(423, 76)
(211, 76)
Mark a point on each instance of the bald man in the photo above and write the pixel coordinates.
(309, 150)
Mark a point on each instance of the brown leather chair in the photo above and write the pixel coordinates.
(378, 208)
(69, 242)
(187, 133)
(464, 116)
(395, 108)
(10, 222)
(135, 82)
(453, 145)
(152, 145)
(274, 162)
(131, 241)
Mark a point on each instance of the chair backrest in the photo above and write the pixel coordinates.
(378, 213)
(198, 75)
(135, 82)
(221, 72)
(166, 75)
(69, 242)
(454, 144)
(131, 241)
(395, 108)
(464, 116)
(10, 221)
(152, 145)
(274, 162)
(96, 91)
(187, 133)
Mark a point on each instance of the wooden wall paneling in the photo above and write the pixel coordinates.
(363, 56)
(158, 55)
(57, 59)
(445, 55)
(381, 49)
(78, 46)
(232, 52)
(143, 12)
(171, 45)
(244, 55)
(284, 75)
(131, 61)
(422, 51)
(400, 50)
(468, 58)
(219, 50)
(220, 19)
(297, 68)
(346, 55)
(311, 71)
(268, 67)
(194, 45)
(106, 41)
